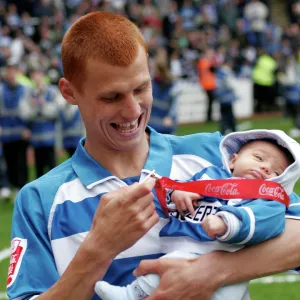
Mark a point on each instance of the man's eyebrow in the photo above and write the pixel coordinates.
(112, 91)
(147, 81)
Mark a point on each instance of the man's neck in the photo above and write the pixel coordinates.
(121, 164)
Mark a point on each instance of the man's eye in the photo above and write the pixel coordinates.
(140, 90)
(111, 98)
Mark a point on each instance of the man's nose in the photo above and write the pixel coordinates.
(131, 108)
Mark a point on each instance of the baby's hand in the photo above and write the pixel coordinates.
(185, 201)
(214, 226)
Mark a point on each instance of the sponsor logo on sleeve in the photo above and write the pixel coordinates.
(18, 249)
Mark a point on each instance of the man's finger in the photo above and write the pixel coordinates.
(146, 267)
(142, 189)
(130, 194)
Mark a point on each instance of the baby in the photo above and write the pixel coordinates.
(256, 154)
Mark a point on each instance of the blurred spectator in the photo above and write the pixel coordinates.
(256, 13)
(14, 134)
(228, 13)
(176, 65)
(240, 33)
(5, 191)
(12, 17)
(17, 47)
(164, 108)
(295, 12)
(41, 111)
(264, 78)
(27, 24)
(207, 79)
(248, 58)
(188, 14)
(290, 80)
(43, 8)
(292, 34)
(169, 22)
(224, 94)
(209, 12)
(71, 126)
(54, 71)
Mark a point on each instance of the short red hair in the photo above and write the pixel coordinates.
(99, 36)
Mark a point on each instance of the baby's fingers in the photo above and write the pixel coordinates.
(182, 208)
(190, 207)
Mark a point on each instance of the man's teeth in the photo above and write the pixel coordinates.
(127, 127)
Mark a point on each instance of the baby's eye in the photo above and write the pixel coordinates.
(258, 157)
(277, 173)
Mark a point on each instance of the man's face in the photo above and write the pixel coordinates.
(115, 103)
(259, 160)
(11, 73)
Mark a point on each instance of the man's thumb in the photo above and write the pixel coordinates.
(146, 267)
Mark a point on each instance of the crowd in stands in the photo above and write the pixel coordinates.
(240, 34)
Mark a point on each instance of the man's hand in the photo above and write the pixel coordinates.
(188, 279)
(214, 226)
(122, 217)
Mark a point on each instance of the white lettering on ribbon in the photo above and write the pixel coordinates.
(226, 189)
(277, 192)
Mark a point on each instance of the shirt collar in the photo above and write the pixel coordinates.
(90, 172)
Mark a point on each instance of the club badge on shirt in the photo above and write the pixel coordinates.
(18, 249)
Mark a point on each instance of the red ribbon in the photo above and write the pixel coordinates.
(225, 189)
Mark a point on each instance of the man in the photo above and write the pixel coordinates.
(41, 111)
(207, 79)
(94, 217)
(256, 13)
(14, 131)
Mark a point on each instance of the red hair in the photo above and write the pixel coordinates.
(99, 36)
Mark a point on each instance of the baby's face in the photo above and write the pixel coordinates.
(259, 160)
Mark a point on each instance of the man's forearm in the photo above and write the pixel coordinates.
(273, 256)
(79, 279)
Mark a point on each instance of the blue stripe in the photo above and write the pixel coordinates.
(120, 271)
(81, 215)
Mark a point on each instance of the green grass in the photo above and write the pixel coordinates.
(5, 226)
(274, 291)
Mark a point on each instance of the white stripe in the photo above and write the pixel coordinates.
(75, 191)
(184, 166)
(252, 226)
(147, 245)
(292, 217)
(294, 204)
(4, 254)
(276, 279)
(187, 244)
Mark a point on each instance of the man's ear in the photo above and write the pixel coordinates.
(67, 91)
(233, 160)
